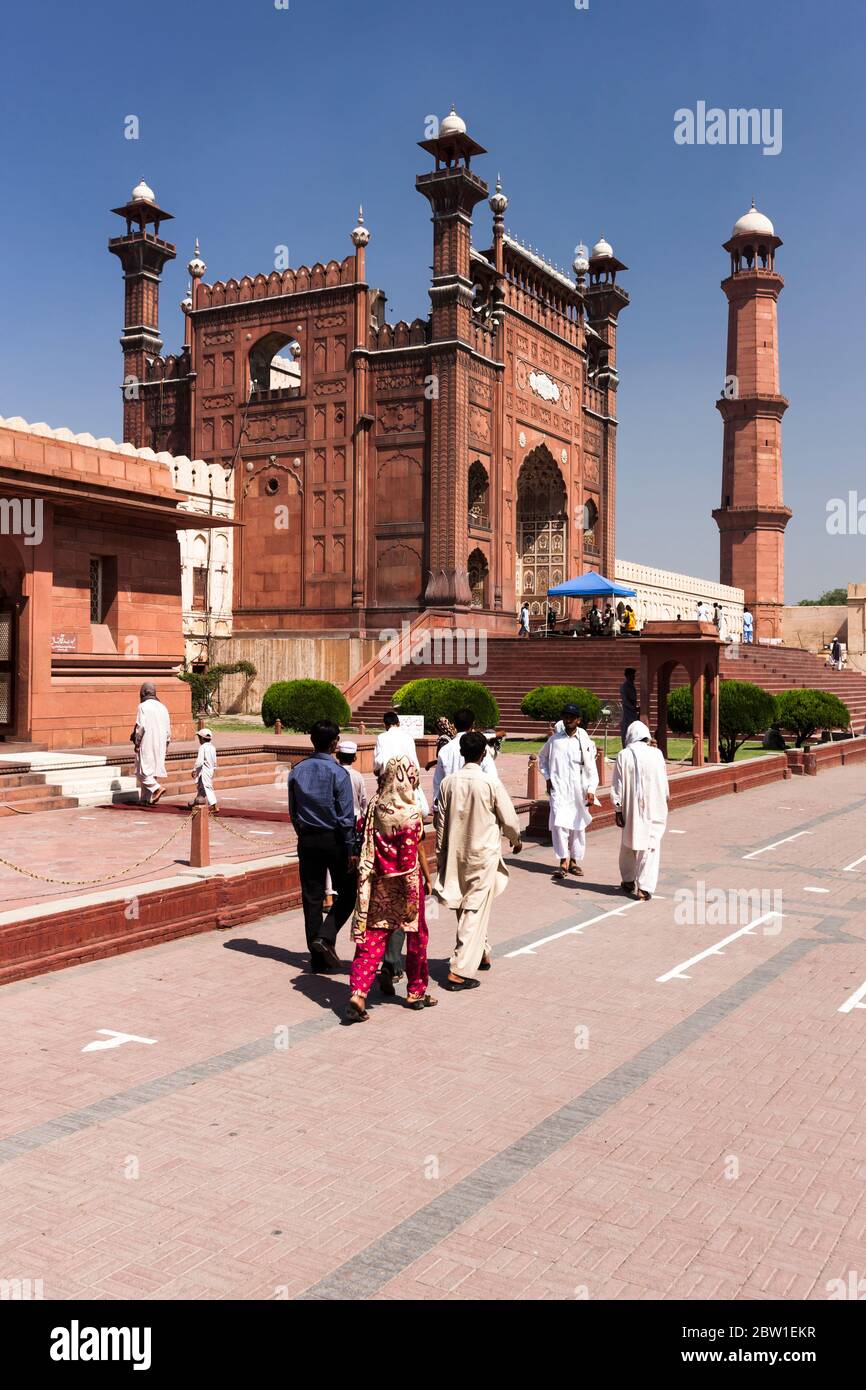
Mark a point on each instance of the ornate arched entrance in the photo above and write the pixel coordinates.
(10, 587)
(478, 575)
(542, 512)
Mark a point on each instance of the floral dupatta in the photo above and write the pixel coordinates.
(389, 893)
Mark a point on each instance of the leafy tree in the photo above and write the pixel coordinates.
(805, 711)
(744, 711)
(545, 702)
(205, 684)
(833, 597)
(438, 698)
(301, 704)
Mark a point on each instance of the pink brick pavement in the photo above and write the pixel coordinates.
(734, 1169)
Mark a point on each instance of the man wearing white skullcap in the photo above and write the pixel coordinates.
(640, 794)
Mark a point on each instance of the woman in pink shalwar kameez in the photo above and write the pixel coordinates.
(392, 879)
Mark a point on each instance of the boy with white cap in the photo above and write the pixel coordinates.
(205, 767)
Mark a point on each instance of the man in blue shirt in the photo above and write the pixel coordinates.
(322, 808)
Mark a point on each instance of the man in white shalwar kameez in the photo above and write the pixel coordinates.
(151, 737)
(472, 814)
(640, 795)
(567, 763)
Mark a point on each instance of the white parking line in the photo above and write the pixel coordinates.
(816, 890)
(854, 1001)
(676, 973)
(787, 840)
(676, 832)
(848, 867)
(571, 931)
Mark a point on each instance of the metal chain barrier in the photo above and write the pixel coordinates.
(253, 839)
(105, 878)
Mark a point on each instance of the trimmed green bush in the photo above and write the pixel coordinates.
(803, 712)
(745, 710)
(301, 704)
(545, 702)
(442, 698)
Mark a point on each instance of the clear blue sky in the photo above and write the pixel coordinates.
(261, 126)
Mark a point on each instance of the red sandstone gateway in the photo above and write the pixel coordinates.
(462, 462)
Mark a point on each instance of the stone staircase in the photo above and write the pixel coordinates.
(31, 782)
(514, 666)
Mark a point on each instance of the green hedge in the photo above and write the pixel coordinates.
(803, 712)
(744, 711)
(546, 702)
(301, 704)
(441, 698)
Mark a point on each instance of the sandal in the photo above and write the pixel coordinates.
(574, 868)
(386, 983)
(424, 1001)
(486, 963)
(355, 1013)
(558, 876)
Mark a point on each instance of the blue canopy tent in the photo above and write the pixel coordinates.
(591, 585)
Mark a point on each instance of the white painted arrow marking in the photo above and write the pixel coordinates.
(115, 1039)
(854, 1001)
(677, 972)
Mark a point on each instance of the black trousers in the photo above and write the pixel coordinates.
(321, 852)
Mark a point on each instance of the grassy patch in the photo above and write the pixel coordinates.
(678, 748)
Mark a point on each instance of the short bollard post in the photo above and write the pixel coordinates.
(278, 726)
(200, 724)
(199, 856)
(362, 727)
(533, 779)
(600, 764)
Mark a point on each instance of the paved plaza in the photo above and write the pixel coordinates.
(622, 1110)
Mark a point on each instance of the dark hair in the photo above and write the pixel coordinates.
(473, 746)
(630, 671)
(323, 734)
(390, 718)
(346, 758)
(463, 720)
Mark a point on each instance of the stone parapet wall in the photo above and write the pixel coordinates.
(813, 627)
(662, 594)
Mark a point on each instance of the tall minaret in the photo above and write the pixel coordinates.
(142, 255)
(752, 516)
(453, 189)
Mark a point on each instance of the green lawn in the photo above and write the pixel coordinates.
(678, 748)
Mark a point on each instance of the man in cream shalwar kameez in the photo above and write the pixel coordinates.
(567, 763)
(640, 794)
(151, 737)
(472, 814)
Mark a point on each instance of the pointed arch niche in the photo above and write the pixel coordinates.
(542, 530)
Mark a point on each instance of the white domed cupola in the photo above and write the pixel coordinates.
(753, 242)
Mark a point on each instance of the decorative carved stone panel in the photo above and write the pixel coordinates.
(479, 423)
(287, 424)
(399, 417)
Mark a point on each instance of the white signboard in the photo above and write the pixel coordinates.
(413, 724)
